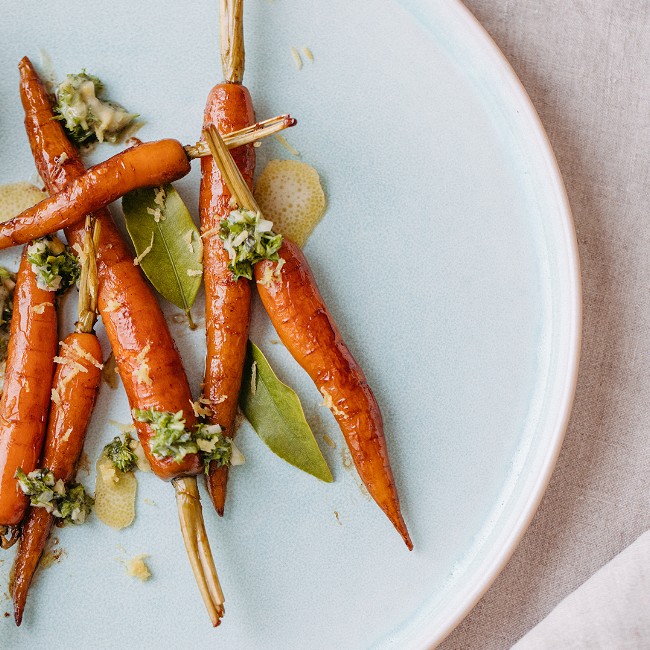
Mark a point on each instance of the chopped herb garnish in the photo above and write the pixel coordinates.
(172, 439)
(75, 505)
(121, 454)
(86, 114)
(54, 264)
(248, 238)
(213, 445)
(71, 503)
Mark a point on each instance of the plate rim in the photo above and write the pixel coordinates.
(436, 631)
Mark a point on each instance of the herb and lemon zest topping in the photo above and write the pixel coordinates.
(120, 452)
(86, 114)
(213, 445)
(69, 503)
(248, 238)
(55, 266)
(172, 439)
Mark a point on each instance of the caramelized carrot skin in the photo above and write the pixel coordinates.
(26, 395)
(227, 302)
(33, 538)
(307, 329)
(143, 165)
(70, 415)
(66, 431)
(129, 309)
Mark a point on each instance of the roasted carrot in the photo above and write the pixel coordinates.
(75, 385)
(227, 301)
(136, 330)
(26, 394)
(144, 165)
(291, 298)
(309, 332)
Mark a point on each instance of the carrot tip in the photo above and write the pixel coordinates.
(398, 521)
(401, 529)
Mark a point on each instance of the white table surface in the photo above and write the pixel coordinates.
(586, 66)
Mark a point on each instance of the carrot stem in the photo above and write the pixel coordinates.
(198, 546)
(88, 282)
(247, 135)
(229, 170)
(231, 14)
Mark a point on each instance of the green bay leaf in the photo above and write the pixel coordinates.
(274, 411)
(161, 221)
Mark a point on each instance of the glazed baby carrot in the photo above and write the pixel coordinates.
(148, 361)
(146, 164)
(74, 390)
(291, 298)
(26, 394)
(227, 301)
(305, 326)
(143, 165)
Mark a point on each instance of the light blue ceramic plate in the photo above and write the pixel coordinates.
(447, 256)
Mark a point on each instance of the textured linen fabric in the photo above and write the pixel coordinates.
(611, 610)
(586, 66)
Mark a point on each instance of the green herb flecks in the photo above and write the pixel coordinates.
(248, 238)
(71, 503)
(213, 445)
(75, 505)
(274, 411)
(167, 242)
(171, 438)
(85, 113)
(55, 266)
(120, 452)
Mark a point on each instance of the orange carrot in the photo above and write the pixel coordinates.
(227, 301)
(144, 165)
(26, 394)
(309, 332)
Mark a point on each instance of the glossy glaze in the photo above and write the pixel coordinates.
(128, 307)
(66, 432)
(306, 328)
(147, 164)
(227, 302)
(26, 395)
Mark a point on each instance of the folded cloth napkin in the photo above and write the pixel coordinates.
(610, 611)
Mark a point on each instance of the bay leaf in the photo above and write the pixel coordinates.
(275, 412)
(161, 223)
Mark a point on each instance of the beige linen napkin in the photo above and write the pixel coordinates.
(609, 611)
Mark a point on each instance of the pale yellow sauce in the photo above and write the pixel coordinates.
(16, 197)
(290, 194)
(114, 495)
